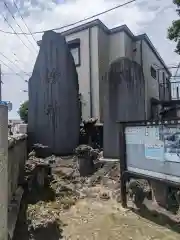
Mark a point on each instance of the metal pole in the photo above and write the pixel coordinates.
(3, 172)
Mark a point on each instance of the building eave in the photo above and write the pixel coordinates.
(122, 28)
(149, 43)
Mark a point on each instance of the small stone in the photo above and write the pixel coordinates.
(78, 186)
(104, 196)
(118, 199)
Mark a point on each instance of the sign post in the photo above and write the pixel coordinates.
(150, 150)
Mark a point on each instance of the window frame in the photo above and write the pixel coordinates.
(152, 69)
(75, 44)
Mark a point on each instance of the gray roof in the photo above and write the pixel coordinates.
(124, 28)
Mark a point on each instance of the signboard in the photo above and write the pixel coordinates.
(154, 150)
(7, 103)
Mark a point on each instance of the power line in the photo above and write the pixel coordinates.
(5, 19)
(15, 73)
(11, 69)
(5, 4)
(11, 61)
(72, 24)
(24, 20)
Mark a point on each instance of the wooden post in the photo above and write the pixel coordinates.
(3, 172)
(123, 167)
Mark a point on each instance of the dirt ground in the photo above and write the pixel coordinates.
(92, 219)
(106, 220)
(90, 216)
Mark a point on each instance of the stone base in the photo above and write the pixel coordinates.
(109, 159)
(159, 193)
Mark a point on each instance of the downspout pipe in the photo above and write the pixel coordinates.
(90, 72)
(145, 84)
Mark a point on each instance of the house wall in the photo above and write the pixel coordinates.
(94, 51)
(148, 59)
(103, 58)
(128, 46)
(116, 46)
(88, 71)
(106, 48)
(152, 85)
(83, 70)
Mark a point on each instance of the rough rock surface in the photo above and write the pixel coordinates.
(53, 112)
(57, 210)
(66, 186)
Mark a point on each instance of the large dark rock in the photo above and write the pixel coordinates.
(124, 101)
(53, 110)
(85, 163)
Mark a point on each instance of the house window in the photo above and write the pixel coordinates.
(153, 72)
(74, 47)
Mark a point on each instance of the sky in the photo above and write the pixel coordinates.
(144, 16)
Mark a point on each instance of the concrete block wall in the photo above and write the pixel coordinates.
(17, 156)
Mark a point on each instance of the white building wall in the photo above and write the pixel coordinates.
(152, 85)
(83, 70)
(128, 46)
(116, 46)
(95, 71)
(103, 58)
(105, 49)
(133, 52)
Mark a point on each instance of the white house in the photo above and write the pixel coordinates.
(94, 47)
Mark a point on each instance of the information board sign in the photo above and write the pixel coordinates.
(154, 150)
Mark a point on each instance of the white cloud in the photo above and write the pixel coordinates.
(152, 17)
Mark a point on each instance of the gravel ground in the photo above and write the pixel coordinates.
(87, 208)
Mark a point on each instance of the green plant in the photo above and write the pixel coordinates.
(174, 30)
(23, 111)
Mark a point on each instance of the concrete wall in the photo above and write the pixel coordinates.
(3, 171)
(17, 156)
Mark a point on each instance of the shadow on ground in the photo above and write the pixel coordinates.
(45, 194)
(22, 231)
(158, 218)
(51, 232)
